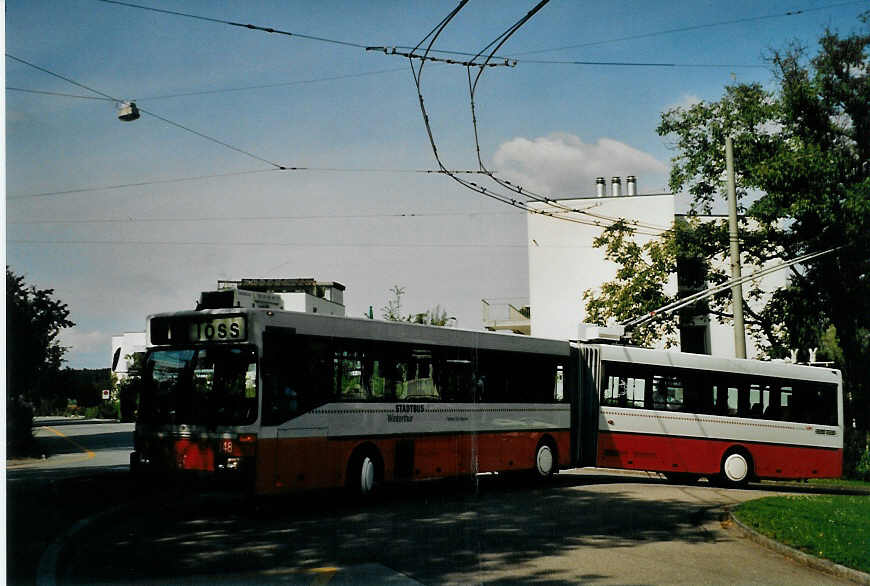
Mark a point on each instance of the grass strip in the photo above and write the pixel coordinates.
(842, 482)
(834, 527)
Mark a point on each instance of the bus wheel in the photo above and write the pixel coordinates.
(546, 462)
(736, 468)
(363, 473)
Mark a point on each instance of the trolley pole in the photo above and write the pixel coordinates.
(736, 290)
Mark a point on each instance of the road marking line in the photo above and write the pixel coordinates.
(324, 575)
(89, 454)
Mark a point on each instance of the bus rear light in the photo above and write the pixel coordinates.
(246, 445)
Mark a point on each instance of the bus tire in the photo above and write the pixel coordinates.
(364, 472)
(546, 459)
(736, 469)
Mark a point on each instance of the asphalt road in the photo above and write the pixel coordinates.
(76, 445)
(590, 527)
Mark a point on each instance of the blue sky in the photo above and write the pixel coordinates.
(115, 255)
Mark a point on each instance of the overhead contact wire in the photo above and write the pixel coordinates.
(495, 45)
(417, 74)
(265, 29)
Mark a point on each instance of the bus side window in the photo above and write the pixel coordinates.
(668, 392)
(744, 404)
(559, 383)
(452, 372)
(693, 399)
(815, 403)
(297, 378)
(625, 387)
(419, 382)
(773, 406)
(758, 393)
(786, 401)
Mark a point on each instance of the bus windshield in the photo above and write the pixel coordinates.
(200, 386)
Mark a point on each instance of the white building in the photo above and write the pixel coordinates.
(124, 348)
(306, 295)
(563, 263)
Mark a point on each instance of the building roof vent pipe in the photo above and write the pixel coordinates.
(600, 187)
(615, 187)
(631, 185)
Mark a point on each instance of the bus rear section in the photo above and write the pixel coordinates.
(730, 420)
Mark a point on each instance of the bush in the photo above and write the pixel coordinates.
(19, 427)
(856, 457)
(55, 405)
(128, 395)
(862, 467)
(105, 410)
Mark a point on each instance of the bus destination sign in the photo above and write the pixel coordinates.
(218, 329)
(186, 330)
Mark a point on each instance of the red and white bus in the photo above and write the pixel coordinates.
(689, 415)
(292, 401)
(287, 401)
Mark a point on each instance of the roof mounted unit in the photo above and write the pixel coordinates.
(225, 298)
(593, 333)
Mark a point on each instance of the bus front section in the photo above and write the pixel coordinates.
(198, 410)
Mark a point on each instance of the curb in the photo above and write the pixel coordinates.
(46, 571)
(818, 488)
(799, 556)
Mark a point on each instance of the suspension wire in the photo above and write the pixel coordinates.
(143, 110)
(47, 93)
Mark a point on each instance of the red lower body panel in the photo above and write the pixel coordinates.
(308, 463)
(704, 456)
(178, 453)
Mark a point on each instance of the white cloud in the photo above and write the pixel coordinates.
(79, 341)
(561, 163)
(685, 101)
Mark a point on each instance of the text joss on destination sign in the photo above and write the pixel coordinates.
(218, 329)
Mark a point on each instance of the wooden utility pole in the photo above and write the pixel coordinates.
(736, 290)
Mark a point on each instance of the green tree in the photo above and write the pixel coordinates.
(34, 318)
(392, 311)
(802, 161)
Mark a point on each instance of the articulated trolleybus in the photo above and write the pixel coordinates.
(285, 401)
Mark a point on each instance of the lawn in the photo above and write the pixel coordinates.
(835, 527)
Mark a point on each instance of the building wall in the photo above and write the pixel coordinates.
(125, 345)
(311, 304)
(563, 263)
